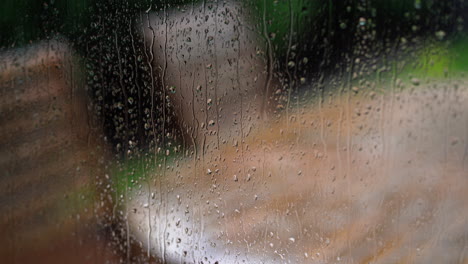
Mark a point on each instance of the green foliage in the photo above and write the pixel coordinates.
(131, 173)
(459, 53)
(284, 19)
(440, 60)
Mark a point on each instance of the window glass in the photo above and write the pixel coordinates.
(234, 131)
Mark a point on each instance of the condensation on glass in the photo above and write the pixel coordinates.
(271, 131)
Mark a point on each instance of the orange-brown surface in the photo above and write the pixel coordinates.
(49, 160)
(359, 178)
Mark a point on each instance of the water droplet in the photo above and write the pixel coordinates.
(440, 34)
(362, 21)
(417, 4)
(292, 239)
(415, 81)
(211, 123)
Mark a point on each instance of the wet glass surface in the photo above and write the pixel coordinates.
(272, 131)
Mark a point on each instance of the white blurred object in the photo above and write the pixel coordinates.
(213, 67)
